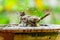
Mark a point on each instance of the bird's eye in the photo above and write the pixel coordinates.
(35, 19)
(24, 18)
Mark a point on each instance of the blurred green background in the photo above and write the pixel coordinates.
(9, 8)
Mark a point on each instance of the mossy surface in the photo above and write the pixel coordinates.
(36, 36)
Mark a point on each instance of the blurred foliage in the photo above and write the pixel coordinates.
(35, 12)
(32, 7)
(3, 18)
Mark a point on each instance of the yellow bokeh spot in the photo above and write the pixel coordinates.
(39, 4)
(1, 8)
(10, 4)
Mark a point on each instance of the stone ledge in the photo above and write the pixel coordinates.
(30, 29)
